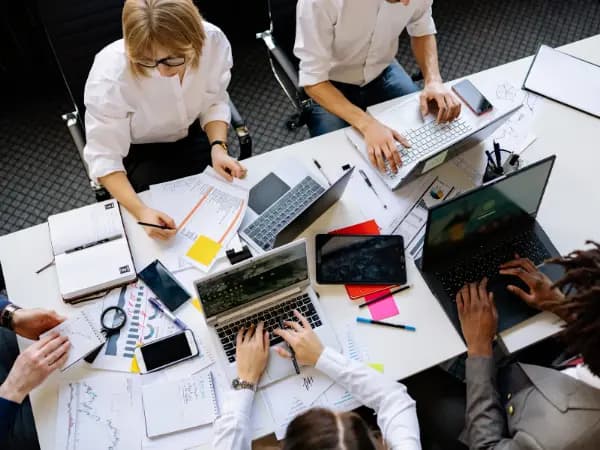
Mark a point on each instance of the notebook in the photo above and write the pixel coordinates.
(180, 404)
(91, 252)
(84, 335)
(566, 79)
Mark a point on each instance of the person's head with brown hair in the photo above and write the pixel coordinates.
(323, 429)
(582, 332)
(166, 34)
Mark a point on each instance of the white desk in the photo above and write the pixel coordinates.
(559, 129)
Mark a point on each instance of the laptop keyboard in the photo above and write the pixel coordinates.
(428, 138)
(487, 263)
(265, 229)
(284, 311)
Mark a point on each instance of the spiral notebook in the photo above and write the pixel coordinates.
(178, 405)
(84, 335)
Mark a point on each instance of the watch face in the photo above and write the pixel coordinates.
(235, 383)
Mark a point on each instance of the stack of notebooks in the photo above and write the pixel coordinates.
(91, 252)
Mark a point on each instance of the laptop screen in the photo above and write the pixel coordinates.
(478, 214)
(260, 277)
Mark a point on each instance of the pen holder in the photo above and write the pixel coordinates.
(492, 173)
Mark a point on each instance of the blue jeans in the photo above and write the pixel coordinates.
(391, 83)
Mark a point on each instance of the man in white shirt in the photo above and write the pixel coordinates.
(347, 51)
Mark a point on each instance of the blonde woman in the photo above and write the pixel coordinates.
(157, 105)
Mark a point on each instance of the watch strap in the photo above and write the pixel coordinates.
(239, 384)
(219, 142)
(6, 316)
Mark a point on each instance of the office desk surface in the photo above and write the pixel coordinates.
(567, 214)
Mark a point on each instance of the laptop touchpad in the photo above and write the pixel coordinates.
(266, 192)
(511, 309)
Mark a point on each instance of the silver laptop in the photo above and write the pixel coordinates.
(284, 203)
(264, 288)
(431, 143)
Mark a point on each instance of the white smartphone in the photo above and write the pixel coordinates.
(166, 351)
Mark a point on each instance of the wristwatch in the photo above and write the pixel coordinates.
(6, 316)
(221, 143)
(238, 385)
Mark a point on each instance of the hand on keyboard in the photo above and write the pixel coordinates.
(301, 337)
(381, 144)
(252, 352)
(437, 98)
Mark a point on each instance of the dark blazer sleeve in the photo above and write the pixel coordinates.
(8, 411)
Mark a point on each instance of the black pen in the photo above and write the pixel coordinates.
(498, 155)
(366, 178)
(321, 170)
(294, 360)
(385, 295)
(93, 244)
(153, 225)
(490, 160)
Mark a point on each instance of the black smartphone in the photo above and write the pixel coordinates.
(166, 351)
(164, 285)
(474, 99)
(360, 259)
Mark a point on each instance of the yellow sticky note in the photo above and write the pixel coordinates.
(377, 366)
(204, 250)
(196, 303)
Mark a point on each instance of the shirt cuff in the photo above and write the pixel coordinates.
(422, 28)
(218, 111)
(310, 79)
(331, 362)
(239, 402)
(103, 167)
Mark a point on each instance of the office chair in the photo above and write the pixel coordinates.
(279, 39)
(76, 32)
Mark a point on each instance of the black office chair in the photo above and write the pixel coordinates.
(77, 31)
(279, 39)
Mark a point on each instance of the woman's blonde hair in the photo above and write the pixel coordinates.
(175, 25)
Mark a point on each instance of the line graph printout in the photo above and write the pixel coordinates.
(99, 412)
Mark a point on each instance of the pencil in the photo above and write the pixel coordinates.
(292, 352)
(385, 324)
(385, 295)
(153, 225)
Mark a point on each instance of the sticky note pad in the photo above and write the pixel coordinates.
(204, 250)
(377, 366)
(383, 308)
(196, 303)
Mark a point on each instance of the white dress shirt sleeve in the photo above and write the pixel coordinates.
(232, 428)
(315, 21)
(421, 23)
(107, 127)
(395, 409)
(218, 77)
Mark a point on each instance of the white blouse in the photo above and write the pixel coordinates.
(395, 409)
(122, 109)
(353, 41)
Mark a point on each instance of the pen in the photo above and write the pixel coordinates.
(490, 159)
(386, 324)
(294, 360)
(153, 225)
(321, 170)
(498, 156)
(385, 295)
(161, 307)
(93, 244)
(366, 178)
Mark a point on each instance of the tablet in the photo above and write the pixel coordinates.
(359, 259)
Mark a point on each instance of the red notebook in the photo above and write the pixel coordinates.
(360, 290)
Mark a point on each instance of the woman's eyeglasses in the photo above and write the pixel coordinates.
(169, 62)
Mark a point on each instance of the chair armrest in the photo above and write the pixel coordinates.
(241, 131)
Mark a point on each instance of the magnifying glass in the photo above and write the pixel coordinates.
(112, 320)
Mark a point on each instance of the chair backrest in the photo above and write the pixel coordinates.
(283, 26)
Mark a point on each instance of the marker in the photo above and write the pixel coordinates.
(161, 307)
(385, 295)
(321, 170)
(153, 225)
(93, 244)
(385, 324)
(366, 178)
(294, 360)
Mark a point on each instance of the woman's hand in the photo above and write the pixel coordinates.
(252, 353)
(30, 323)
(150, 215)
(302, 339)
(225, 165)
(33, 366)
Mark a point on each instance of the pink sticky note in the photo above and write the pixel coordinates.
(383, 308)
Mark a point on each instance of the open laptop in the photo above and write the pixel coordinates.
(286, 202)
(431, 143)
(268, 288)
(469, 236)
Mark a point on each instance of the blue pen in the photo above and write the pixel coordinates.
(387, 324)
(161, 307)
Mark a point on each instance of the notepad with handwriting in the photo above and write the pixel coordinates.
(91, 252)
(179, 405)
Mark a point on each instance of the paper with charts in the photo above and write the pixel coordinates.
(144, 324)
(208, 213)
(100, 412)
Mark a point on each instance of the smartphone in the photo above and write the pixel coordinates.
(360, 259)
(166, 351)
(164, 285)
(474, 99)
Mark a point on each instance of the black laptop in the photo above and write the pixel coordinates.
(469, 236)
